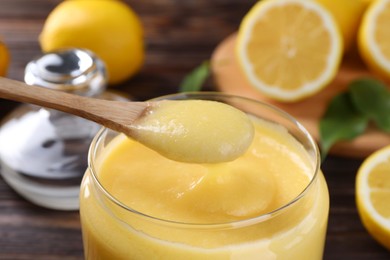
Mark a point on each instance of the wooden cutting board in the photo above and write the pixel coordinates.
(229, 79)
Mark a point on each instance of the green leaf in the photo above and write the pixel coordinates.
(195, 80)
(372, 99)
(341, 121)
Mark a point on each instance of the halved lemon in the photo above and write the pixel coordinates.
(373, 195)
(289, 49)
(374, 37)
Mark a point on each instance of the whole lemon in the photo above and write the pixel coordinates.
(347, 14)
(109, 28)
(4, 59)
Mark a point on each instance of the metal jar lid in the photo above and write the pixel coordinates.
(77, 71)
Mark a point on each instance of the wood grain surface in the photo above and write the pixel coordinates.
(179, 35)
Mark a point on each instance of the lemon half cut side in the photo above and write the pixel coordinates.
(289, 49)
(374, 37)
(373, 195)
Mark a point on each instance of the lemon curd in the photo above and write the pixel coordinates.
(197, 131)
(270, 203)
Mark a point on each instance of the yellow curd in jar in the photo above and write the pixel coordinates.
(138, 204)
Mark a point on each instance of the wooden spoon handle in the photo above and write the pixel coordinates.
(112, 114)
(19, 91)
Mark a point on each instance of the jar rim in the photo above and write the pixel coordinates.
(236, 223)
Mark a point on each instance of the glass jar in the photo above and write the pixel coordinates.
(43, 152)
(293, 230)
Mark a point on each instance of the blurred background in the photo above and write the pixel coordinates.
(178, 35)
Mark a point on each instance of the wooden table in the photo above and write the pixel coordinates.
(179, 36)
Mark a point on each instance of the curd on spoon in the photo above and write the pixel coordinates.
(196, 131)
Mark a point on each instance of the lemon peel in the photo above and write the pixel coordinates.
(4, 59)
(109, 28)
(348, 15)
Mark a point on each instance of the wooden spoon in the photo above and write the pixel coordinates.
(168, 132)
(116, 115)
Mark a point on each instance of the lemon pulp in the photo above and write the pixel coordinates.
(289, 50)
(373, 195)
